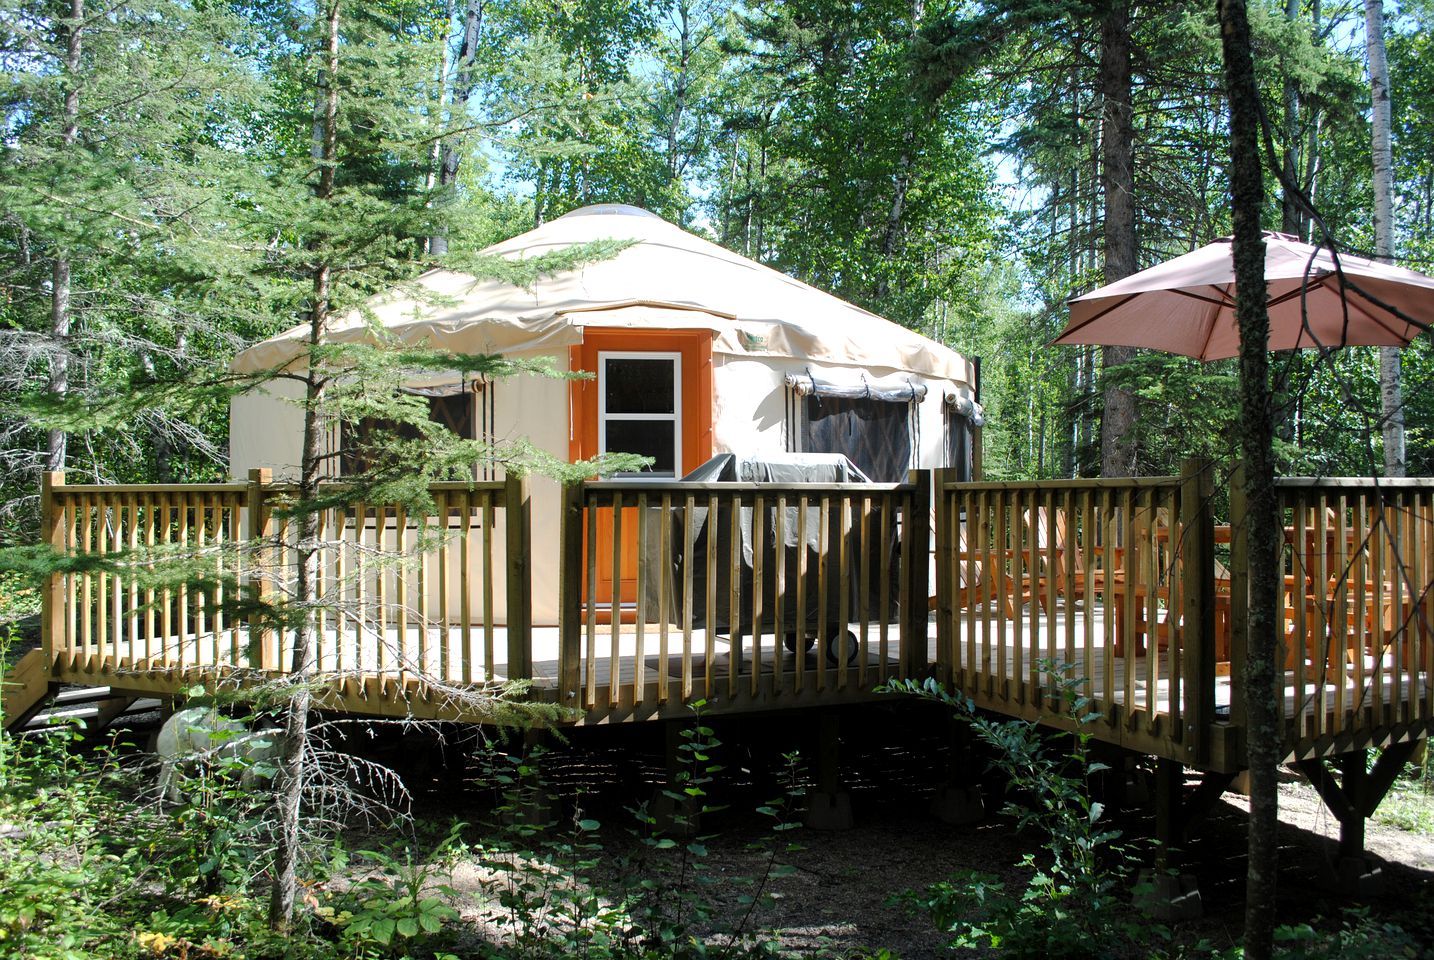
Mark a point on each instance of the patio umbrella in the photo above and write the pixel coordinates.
(1187, 305)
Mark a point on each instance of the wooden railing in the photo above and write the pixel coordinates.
(1357, 611)
(740, 593)
(1101, 589)
(402, 599)
(764, 596)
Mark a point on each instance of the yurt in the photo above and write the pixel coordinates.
(694, 351)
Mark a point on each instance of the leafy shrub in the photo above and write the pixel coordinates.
(1071, 905)
(399, 908)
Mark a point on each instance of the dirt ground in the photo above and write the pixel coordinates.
(838, 899)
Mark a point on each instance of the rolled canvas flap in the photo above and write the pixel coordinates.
(896, 388)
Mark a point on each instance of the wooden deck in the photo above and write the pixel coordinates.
(1128, 585)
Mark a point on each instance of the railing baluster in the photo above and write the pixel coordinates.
(779, 592)
(884, 571)
(801, 617)
(590, 606)
(823, 571)
(644, 576)
(614, 679)
(709, 669)
(664, 586)
(689, 508)
(759, 519)
(490, 671)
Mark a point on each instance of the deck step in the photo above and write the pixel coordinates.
(26, 687)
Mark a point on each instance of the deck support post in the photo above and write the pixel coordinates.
(829, 807)
(914, 606)
(533, 806)
(1197, 553)
(958, 800)
(1352, 799)
(1353, 776)
(674, 813)
(1164, 892)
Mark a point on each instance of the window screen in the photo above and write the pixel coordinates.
(454, 411)
(958, 443)
(873, 434)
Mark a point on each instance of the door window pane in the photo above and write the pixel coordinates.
(639, 385)
(648, 438)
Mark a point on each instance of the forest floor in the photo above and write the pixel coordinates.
(840, 898)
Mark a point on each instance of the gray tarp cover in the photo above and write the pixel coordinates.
(783, 468)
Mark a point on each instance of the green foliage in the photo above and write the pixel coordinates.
(550, 892)
(1359, 937)
(1409, 804)
(399, 908)
(1071, 905)
(65, 849)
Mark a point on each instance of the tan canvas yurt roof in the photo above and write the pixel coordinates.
(667, 279)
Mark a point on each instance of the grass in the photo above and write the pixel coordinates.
(1409, 805)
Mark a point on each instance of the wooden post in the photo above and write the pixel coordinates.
(1239, 595)
(570, 599)
(917, 556)
(517, 517)
(261, 528)
(948, 663)
(977, 473)
(52, 618)
(1169, 829)
(1197, 556)
(1353, 780)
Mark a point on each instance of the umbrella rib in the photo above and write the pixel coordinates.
(1092, 319)
(1223, 301)
(1210, 327)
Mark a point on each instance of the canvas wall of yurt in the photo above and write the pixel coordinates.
(693, 349)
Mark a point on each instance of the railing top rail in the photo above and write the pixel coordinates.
(1085, 483)
(676, 486)
(1368, 483)
(89, 489)
(437, 486)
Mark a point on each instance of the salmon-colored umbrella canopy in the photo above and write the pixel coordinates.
(1187, 305)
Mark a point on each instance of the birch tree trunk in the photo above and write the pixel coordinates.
(1391, 400)
(1117, 136)
(59, 382)
(1256, 432)
(289, 785)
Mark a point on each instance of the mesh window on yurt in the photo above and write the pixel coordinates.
(873, 434)
(958, 443)
(453, 410)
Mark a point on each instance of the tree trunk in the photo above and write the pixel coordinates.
(289, 784)
(1256, 429)
(1117, 135)
(1291, 216)
(59, 383)
(680, 84)
(452, 154)
(1391, 399)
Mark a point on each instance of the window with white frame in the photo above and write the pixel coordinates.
(640, 408)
